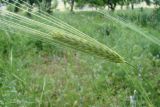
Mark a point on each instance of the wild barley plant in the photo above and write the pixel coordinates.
(61, 33)
(69, 37)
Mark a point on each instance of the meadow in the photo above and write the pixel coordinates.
(35, 73)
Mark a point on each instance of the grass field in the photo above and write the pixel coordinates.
(38, 74)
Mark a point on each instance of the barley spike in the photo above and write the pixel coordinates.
(84, 45)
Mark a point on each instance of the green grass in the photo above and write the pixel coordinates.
(43, 74)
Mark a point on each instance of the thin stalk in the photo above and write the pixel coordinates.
(101, 45)
(23, 20)
(87, 44)
(33, 37)
(42, 34)
(43, 18)
(59, 22)
(43, 89)
(83, 35)
(132, 27)
(23, 28)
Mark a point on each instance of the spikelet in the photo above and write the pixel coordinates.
(91, 47)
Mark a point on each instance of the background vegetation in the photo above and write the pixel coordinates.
(34, 73)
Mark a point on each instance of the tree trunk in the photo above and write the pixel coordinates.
(64, 1)
(127, 5)
(141, 9)
(72, 5)
(121, 7)
(132, 6)
(30, 2)
(29, 11)
(112, 6)
(16, 9)
(48, 6)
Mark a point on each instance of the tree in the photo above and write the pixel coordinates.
(44, 5)
(65, 2)
(121, 3)
(95, 3)
(17, 5)
(112, 4)
(71, 2)
(72, 5)
(157, 2)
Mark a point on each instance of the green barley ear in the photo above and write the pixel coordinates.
(88, 46)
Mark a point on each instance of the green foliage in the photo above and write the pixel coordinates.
(155, 50)
(54, 4)
(46, 75)
(157, 2)
(97, 3)
(146, 18)
(46, 5)
(43, 5)
(10, 8)
(80, 3)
